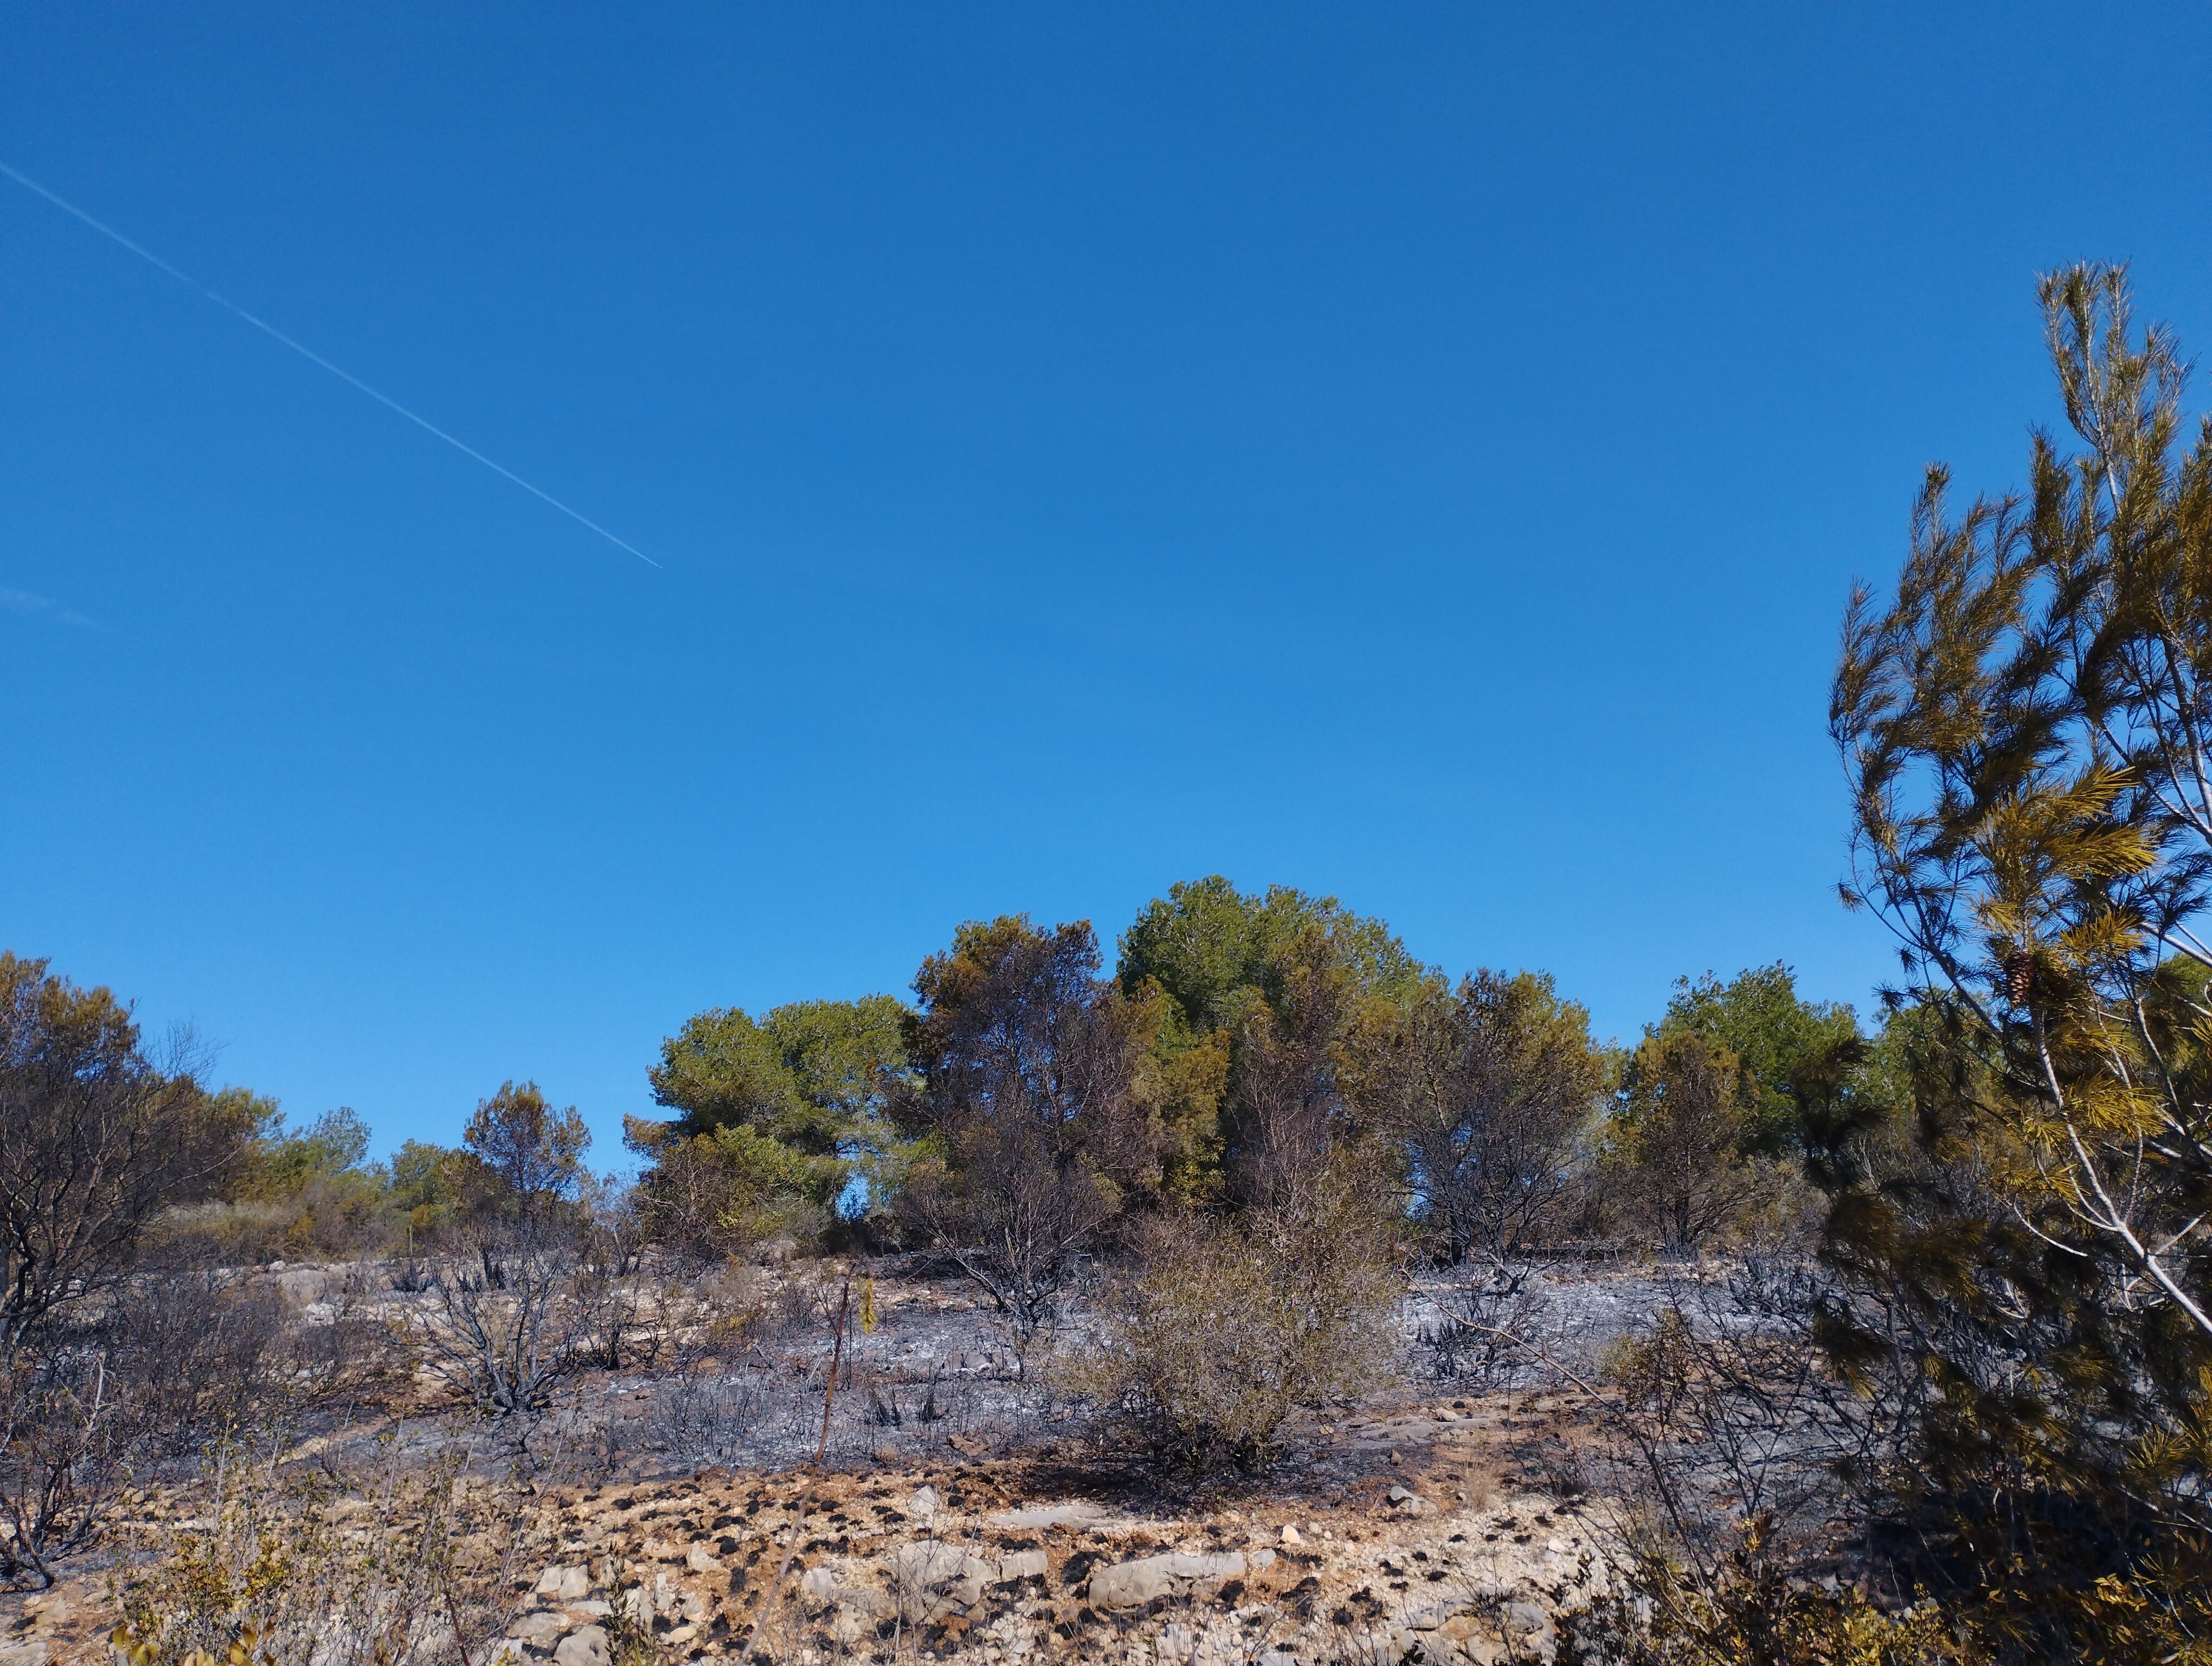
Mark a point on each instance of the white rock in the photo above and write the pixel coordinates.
(587, 1647)
(929, 1575)
(564, 1585)
(699, 1560)
(1050, 1515)
(540, 1630)
(1133, 1584)
(1021, 1565)
(925, 1501)
(1291, 1536)
(1527, 1618)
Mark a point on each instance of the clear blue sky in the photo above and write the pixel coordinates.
(1418, 453)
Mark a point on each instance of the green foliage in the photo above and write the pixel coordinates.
(327, 1154)
(1253, 993)
(1759, 1016)
(807, 1074)
(774, 1117)
(426, 1185)
(528, 1158)
(1215, 950)
(2029, 1279)
(1756, 1613)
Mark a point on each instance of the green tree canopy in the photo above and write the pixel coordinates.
(808, 1074)
(1759, 1016)
(1254, 991)
(2023, 725)
(774, 1115)
(283, 1162)
(1215, 950)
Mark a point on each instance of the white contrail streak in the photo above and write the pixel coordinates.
(312, 357)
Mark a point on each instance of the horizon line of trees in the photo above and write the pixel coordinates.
(1243, 1043)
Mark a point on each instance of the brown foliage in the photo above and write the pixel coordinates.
(1221, 1328)
(1488, 1089)
(1026, 1099)
(95, 1141)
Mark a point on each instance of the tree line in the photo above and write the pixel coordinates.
(1026, 1103)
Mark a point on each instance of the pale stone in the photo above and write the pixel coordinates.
(1021, 1565)
(564, 1585)
(540, 1630)
(587, 1647)
(1050, 1515)
(701, 1560)
(1291, 1536)
(1527, 1618)
(931, 1574)
(1133, 1584)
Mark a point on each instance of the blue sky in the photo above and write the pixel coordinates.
(1415, 453)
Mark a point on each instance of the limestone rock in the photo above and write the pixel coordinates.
(1021, 1565)
(1133, 1584)
(587, 1647)
(540, 1630)
(1527, 1617)
(564, 1585)
(932, 1575)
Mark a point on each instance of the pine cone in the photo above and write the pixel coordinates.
(2019, 976)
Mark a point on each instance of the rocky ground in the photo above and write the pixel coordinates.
(1412, 1533)
(963, 1513)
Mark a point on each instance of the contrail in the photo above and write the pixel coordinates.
(312, 357)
